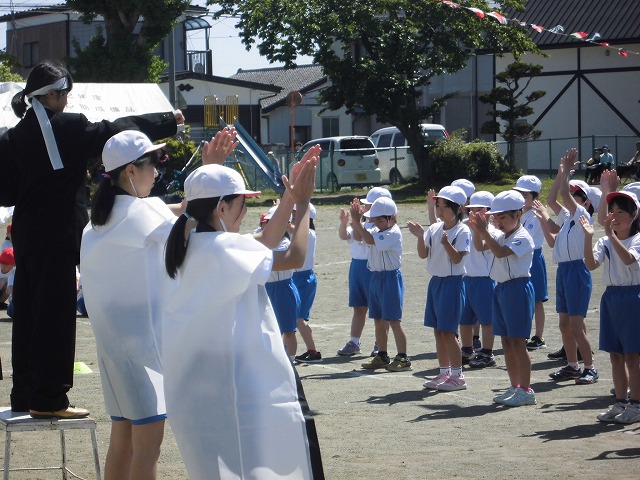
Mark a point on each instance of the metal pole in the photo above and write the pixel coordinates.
(172, 69)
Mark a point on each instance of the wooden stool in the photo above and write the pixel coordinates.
(22, 422)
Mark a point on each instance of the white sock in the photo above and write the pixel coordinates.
(356, 340)
(575, 366)
(445, 370)
(456, 372)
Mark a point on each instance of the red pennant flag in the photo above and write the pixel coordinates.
(497, 16)
(579, 35)
(477, 11)
(622, 52)
(537, 28)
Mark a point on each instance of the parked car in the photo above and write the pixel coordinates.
(346, 161)
(397, 164)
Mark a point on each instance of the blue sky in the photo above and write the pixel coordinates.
(229, 54)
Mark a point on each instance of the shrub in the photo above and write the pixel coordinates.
(478, 161)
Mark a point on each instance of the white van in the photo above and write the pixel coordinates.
(396, 161)
(345, 161)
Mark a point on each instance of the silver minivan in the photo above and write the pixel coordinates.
(346, 161)
(396, 161)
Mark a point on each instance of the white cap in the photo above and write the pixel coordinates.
(507, 201)
(627, 194)
(126, 147)
(528, 183)
(633, 187)
(374, 194)
(269, 214)
(312, 210)
(467, 187)
(481, 199)
(453, 194)
(579, 185)
(382, 207)
(594, 196)
(210, 181)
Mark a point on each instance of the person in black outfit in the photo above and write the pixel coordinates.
(44, 159)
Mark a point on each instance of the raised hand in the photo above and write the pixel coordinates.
(416, 229)
(540, 210)
(220, 146)
(608, 220)
(444, 238)
(303, 178)
(477, 221)
(431, 198)
(344, 217)
(568, 161)
(356, 210)
(313, 154)
(609, 181)
(586, 226)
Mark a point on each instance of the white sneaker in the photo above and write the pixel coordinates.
(614, 410)
(435, 381)
(453, 384)
(503, 396)
(520, 398)
(631, 414)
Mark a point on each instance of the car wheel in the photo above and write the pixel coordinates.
(332, 183)
(395, 178)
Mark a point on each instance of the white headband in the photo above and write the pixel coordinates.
(60, 84)
(45, 124)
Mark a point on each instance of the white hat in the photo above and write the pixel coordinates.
(594, 196)
(126, 147)
(579, 185)
(507, 201)
(624, 193)
(453, 194)
(374, 194)
(312, 211)
(481, 199)
(269, 214)
(382, 207)
(467, 187)
(210, 181)
(633, 187)
(528, 183)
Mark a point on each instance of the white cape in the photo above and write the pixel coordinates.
(230, 387)
(123, 280)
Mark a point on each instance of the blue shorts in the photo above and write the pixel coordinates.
(307, 284)
(445, 299)
(618, 326)
(359, 279)
(285, 302)
(386, 294)
(513, 305)
(141, 421)
(538, 273)
(573, 288)
(478, 295)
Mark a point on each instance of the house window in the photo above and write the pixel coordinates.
(330, 126)
(30, 54)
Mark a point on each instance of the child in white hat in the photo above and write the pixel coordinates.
(386, 288)
(513, 298)
(445, 245)
(529, 186)
(359, 274)
(619, 254)
(219, 325)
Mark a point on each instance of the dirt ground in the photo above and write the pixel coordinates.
(383, 425)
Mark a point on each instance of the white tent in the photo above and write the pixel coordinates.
(97, 101)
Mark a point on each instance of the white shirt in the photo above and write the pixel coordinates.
(518, 264)
(386, 252)
(532, 225)
(359, 250)
(478, 263)
(569, 244)
(614, 272)
(310, 258)
(276, 276)
(439, 263)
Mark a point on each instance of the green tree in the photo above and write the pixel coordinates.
(121, 53)
(7, 63)
(514, 82)
(378, 54)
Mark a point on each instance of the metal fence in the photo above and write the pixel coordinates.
(541, 157)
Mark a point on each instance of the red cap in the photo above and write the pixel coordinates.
(6, 257)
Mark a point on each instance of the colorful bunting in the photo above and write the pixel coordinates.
(557, 30)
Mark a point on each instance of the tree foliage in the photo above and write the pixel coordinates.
(122, 52)
(514, 82)
(378, 54)
(7, 63)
